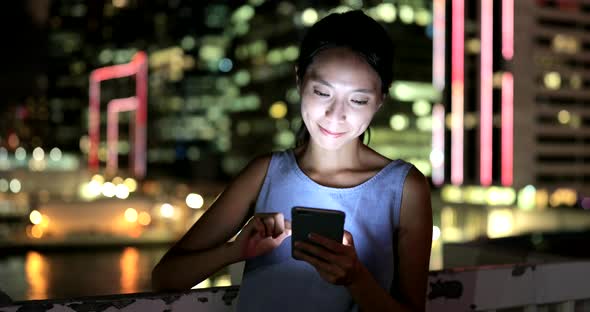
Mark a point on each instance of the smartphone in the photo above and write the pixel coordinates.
(326, 222)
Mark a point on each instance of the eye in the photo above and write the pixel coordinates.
(320, 93)
(360, 102)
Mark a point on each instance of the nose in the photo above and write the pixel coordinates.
(336, 110)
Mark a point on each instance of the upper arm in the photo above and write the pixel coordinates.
(415, 239)
(229, 211)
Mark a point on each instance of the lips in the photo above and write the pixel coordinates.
(330, 133)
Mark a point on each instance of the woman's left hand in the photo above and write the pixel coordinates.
(335, 262)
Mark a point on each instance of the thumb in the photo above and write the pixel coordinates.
(347, 238)
(288, 227)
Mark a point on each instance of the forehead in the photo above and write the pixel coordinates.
(344, 66)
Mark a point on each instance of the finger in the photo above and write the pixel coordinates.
(259, 226)
(318, 264)
(279, 227)
(269, 225)
(347, 239)
(326, 242)
(317, 251)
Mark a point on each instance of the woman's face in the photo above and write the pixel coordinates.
(340, 93)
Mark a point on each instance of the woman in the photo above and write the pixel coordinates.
(343, 75)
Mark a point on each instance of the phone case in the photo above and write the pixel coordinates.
(326, 222)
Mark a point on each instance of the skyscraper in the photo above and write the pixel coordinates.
(516, 93)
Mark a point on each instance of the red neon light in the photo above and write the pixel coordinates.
(438, 44)
(138, 68)
(508, 29)
(115, 107)
(457, 83)
(507, 128)
(437, 156)
(486, 113)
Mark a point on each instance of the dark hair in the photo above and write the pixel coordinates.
(353, 30)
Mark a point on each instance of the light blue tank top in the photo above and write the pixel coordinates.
(277, 282)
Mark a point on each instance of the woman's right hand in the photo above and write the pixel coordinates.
(263, 233)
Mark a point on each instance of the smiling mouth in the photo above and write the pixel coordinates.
(330, 133)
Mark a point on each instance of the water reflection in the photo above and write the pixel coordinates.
(71, 273)
(37, 270)
(129, 265)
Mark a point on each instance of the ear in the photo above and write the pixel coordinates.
(381, 102)
(297, 82)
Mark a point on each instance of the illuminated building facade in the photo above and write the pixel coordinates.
(511, 129)
(514, 93)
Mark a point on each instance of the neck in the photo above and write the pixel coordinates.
(315, 158)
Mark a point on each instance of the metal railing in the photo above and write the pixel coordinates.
(560, 287)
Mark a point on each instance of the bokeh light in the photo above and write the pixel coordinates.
(194, 201)
(130, 215)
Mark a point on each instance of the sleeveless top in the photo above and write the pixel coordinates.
(277, 282)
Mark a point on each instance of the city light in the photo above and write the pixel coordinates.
(38, 154)
(15, 186)
(130, 215)
(399, 122)
(406, 14)
(20, 153)
(55, 154)
(167, 210)
(552, 80)
(98, 178)
(4, 185)
(35, 217)
(563, 196)
(131, 184)
(438, 44)
(120, 3)
(37, 231)
(421, 107)
(309, 16)
(138, 69)
(114, 108)
(437, 155)
(386, 12)
(435, 233)
(94, 188)
(144, 218)
(457, 92)
(423, 17)
(500, 196)
(278, 110)
(507, 131)
(108, 189)
(13, 140)
(564, 117)
(194, 200)
(500, 223)
(526, 198)
(121, 191)
(486, 95)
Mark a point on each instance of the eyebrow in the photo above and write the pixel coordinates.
(322, 81)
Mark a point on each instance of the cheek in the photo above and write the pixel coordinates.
(363, 120)
(308, 109)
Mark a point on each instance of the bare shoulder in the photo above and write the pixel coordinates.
(416, 197)
(255, 170)
(416, 182)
